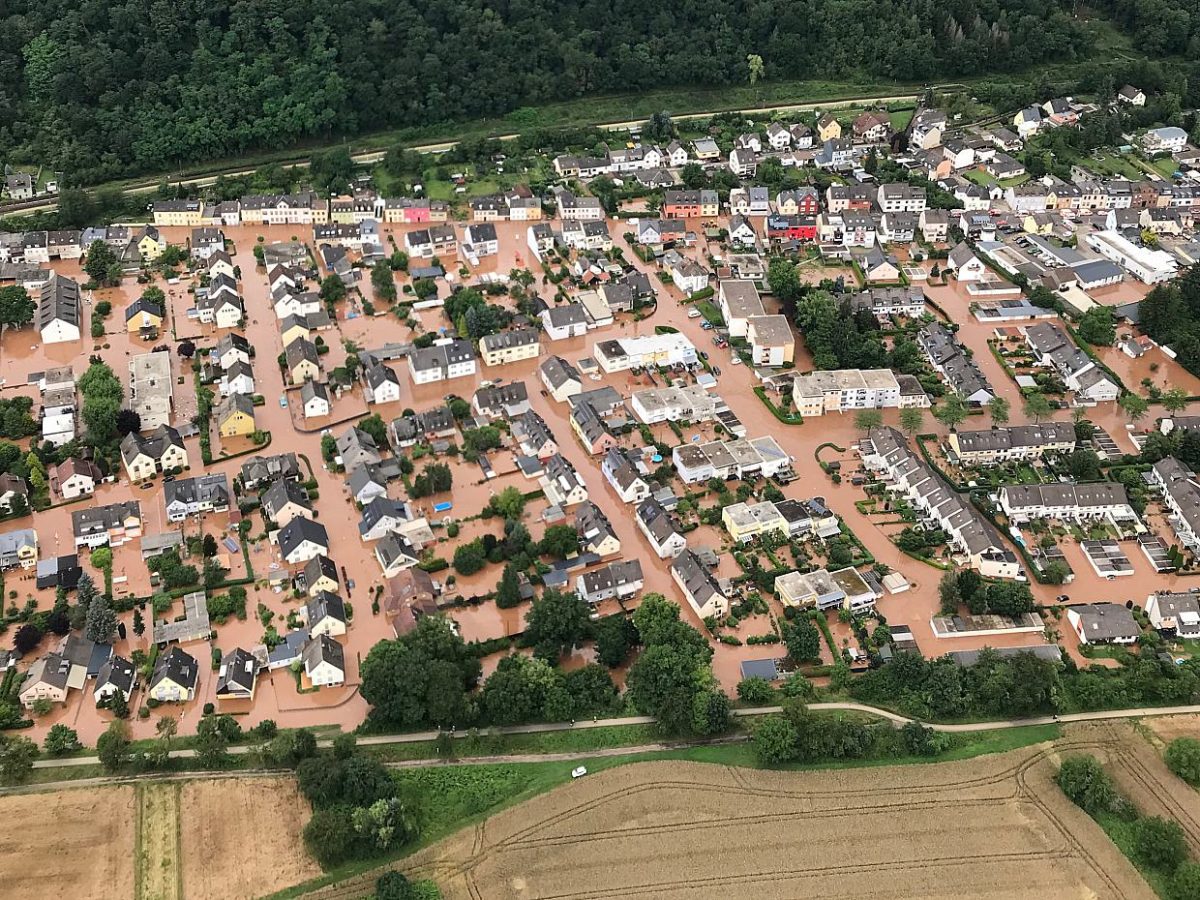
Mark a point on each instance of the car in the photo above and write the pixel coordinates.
(694, 313)
(707, 326)
(168, 478)
(716, 370)
(578, 771)
(735, 361)
(283, 401)
(702, 355)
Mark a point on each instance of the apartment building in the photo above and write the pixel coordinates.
(988, 446)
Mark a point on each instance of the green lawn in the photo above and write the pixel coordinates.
(978, 176)
(578, 741)
(1112, 164)
(900, 118)
(711, 311)
(1166, 167)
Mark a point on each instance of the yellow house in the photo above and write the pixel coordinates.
(235, 416)
(150, 243)
(745, 522)
(292, 328)
(179, 213)
(142, 314)
(829, 128)
(1039, 224)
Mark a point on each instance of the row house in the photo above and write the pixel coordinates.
(803, 201)
(887, 302)
(760, 457)
(1078, 503)
(791, 228)
(408, 211)
(960, 372)
(284, 209)
(989, 446)
(690, 204)
(1055, 350)
(580, 209)
(620, 579)
(426, 243)
(1181, 495)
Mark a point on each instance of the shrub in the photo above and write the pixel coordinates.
(1183, 758)
(1159, 843)
(1087, 784)
(755, 690)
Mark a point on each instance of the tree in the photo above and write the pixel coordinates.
(755, 68)
(469, 558)
(1183, 758)
(1159, 843)
(394, 886)
(27, 638)
(113, 746)
(1097, 327)
(1084, 465)
(16, 758)
(208, 547)
(101, 623)
(1135, 407)
(998, 408)
(333, 290)
(382, 281)
(61, 740)
(1037, 407)
(615, 638)
(557, 622)
(128, 422)
(509, 503)
(755, 691)
(866, 419)
(1086, 784)
(508, 593)
(330, 837)
(912, 420)
(802, 639)
(711, 712)
(559, 541)
(290, 748)
(16, 306)
(1175, 400)
(211, 743)
(1185, 883)
(952, 412)
(774, 739)
(101, 262)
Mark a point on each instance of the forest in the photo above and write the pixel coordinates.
(105, 88)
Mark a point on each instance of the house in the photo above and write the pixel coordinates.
(221, 264)
(284, 500)
(238, 379)
(366, 483)
(591, 427)
(1164, 140)
(659, 529)
(624, 477)
(174, 678)
(926, 128)
(621, 579)
(561, 378)
(948, 358)
(509, 346)
(237, 675)
(965, 265)
(394, 554)
(143, 317)
(934, 225)
(49, 678)
(303, 361)
(1175, 615)
(57, 314)
(690, 204)
(357, 448)
(745, 522)
(150, 388)
(872, 127)
(828, 127)
(12, 487)
(571, 207)
(1103, 623)
(325, 613)
(162, 450)
(114, 524)
(74, 477)
(698, 585)
(562, 484)
(1131, 95)
(1028, 121)
(596, 534)
(534, 436)
(223, 310)
(314, 399)
(381, 516)
(771, 340)
(186, 213)
(231, 348)
(320, 574)
(446, 359)
(194, 496)
(205, 242)
(566, 321)
(382, 384)
(117, 675)
(324, 662)
(235, 416)
(502, 401)
(262, 469)
(741, 231)
(302, 539)
(19, 186)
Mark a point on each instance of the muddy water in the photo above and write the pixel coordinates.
(277, 696)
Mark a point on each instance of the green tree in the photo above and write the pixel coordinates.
(330, 837)
(866, 419)
(756, 691)
(774, 739)
(556, 622)
(508, 592)
(616, 637)
(211, 745)
(1159, 843)
(803, 640)
(952, 412)
(469, 558)
(1037, 406)
(16, 306)
(1097, 326)
(382, 281)
(61, 740)
(755, 68)
(394, 886)
(1183, 758)
(1175, 400)
(1185, 883)
(912, 420)
(333, 290)
(1086, 784)
(16, 758)
(101, 262)
(560, 541)
(101, 623)
(113, 746)
(509, 503)
(998, 408)
(1134, 407)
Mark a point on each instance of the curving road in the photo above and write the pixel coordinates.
(425, 736)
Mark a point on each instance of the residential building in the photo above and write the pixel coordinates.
(162, 450)
(175, 676)
(620, 579)
(58, 315)
(320, 574)
(1103, 623)
(235, 416)
(150, 388)
(772, 342)
(284, 500)
(325, 613)
(324, 662)
(302, 539)
(116, 676)
(649, 350)
(562, 484)
(19, 548)
(261, 469)
(502, 401)
(561, 378)
(113, 524)
(962, 373)
(988, 446)
(394, 554)
(74, 477)
(1077, 503)
(624, 476)
(443, 361)
(1175, 615)
(509, 346)
(739, 302)
(198, 495)
(760, 457)
(659, 529)
(1147, 265)
(842, 390)
(381, 385)
(698, 585)
(1181, 496)
(745, 522)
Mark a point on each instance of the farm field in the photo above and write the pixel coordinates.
(74, 844)
(996, 827)
(221, 816)
(158, 843)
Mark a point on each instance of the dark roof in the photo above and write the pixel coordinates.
(118, 672)
(237, 673)
(324, 649)
(178, 665)
(320, 565)
(299, 530)
(323, 605)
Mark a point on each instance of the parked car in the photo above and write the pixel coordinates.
(694, 313)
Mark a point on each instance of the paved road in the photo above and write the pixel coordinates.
(423, 736)
(373, 156)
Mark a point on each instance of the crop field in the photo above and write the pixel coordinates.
(252, 827)
(995, 826)
(74, 843)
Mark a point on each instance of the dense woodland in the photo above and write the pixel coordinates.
(100, 88)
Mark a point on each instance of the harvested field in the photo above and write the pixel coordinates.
(252, 826)
(995, 827)
(74, 843)
(1167, 728)
(158, 842)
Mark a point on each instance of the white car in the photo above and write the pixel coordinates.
(735, 361)
(578, 772)
(694, 313)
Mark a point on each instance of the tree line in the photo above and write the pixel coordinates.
(102, 89)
